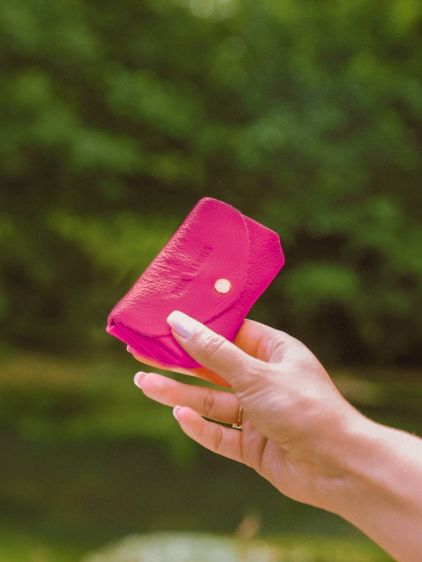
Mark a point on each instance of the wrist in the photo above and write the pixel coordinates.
(345, 453)
(368, 461)
(377, 485)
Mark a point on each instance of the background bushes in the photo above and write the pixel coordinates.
(118, 116)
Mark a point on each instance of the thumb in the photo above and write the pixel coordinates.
(214, 351)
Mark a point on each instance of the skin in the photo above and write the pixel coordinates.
(298, 431)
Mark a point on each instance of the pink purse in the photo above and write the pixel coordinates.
(214, 268)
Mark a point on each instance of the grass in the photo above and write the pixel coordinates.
(89, 459)
(22, 547)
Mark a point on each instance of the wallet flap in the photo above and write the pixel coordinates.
(200, 271)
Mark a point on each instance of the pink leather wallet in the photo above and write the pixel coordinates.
(214, 268)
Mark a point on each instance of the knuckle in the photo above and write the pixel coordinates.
(304, 363)
(218, 438)
(212, 344)
(208, 402)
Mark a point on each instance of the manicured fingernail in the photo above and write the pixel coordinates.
(176, 411)
(137, 379)
(183, 324)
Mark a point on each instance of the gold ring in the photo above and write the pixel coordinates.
(238, 423)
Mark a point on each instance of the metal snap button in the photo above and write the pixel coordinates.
(222, 286)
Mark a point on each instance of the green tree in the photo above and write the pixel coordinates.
(307, 115)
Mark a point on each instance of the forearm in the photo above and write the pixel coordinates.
(380, 490)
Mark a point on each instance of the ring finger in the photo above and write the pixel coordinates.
(217, 405)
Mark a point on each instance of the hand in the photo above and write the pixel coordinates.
(294, 416)
(298, 431)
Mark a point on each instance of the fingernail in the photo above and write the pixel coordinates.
(137, 379)
(183, 324)
(176, 411)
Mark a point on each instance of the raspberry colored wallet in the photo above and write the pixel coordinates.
(214, 268)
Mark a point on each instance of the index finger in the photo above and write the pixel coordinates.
(253, 337)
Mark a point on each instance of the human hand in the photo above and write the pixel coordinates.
(298, 431)
(294, 416)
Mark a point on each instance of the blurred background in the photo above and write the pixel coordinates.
(116, 117)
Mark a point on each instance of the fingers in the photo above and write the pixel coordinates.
(214, 404)
(200, 372)
(217, 438)
(213, 351)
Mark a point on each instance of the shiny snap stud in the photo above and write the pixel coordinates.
(222, 286)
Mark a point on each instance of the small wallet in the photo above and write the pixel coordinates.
(214, 268)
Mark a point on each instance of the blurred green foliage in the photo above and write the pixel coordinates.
(89, 459)
(74, 401)
(116, 118)
(80, 438)
(46, 400)
(307, 115)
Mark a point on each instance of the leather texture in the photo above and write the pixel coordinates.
(215, 241)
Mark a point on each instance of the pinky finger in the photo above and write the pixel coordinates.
(213, 436)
